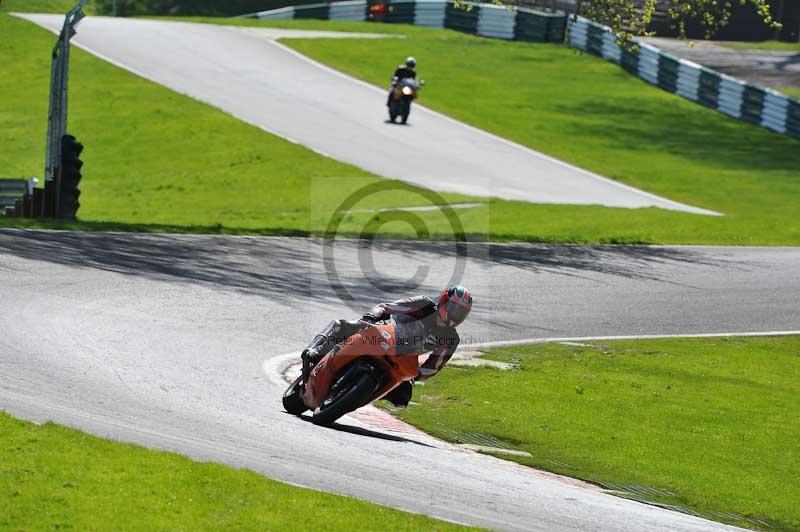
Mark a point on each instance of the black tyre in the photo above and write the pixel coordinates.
(405, 112)
(292, 401)
(345, 399)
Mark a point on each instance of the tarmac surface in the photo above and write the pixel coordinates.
(761, 67)
(178, 342)
(247, 73)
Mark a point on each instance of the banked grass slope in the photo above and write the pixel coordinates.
(156, 160)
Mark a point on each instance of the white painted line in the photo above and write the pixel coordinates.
(524, 341)
(481, 363)
(275, 367)
(495, 450)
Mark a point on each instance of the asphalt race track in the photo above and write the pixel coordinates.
(178, 342)
(247, 73)
(164, 340)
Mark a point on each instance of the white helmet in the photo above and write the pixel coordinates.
(411, 62)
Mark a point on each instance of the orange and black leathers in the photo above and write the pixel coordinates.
(418, 332)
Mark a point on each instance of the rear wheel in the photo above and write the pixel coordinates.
(292, 401)
(344, 398)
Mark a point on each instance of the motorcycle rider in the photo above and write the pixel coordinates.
(403, 72)
(422, 326)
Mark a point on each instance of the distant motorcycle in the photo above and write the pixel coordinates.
(403, 93)
(355, 373)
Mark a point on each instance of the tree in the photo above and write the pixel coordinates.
(629, 18)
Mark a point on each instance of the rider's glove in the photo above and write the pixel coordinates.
(371, 317)
(375, 315)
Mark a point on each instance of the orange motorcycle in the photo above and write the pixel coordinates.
(359, 371)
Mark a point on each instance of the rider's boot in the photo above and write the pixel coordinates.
(401, 396)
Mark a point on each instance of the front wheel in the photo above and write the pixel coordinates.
(292, 400)
(342, 401)
(405, 112)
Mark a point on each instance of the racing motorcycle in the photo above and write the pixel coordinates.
(404, 92)
(357, 372)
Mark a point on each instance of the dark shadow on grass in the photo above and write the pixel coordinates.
(723, 142)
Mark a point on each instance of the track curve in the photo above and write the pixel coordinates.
(247, 73)
(160, 340)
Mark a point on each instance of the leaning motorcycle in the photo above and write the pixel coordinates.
(403, 93)
(355, 373)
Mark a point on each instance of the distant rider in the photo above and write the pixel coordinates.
(422, 326)
(402, 72)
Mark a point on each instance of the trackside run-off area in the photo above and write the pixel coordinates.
(54, 477)
(705, 425)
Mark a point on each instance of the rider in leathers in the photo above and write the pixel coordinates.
(402, 72)
(422, 326)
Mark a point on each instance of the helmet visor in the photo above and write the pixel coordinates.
(455, 313)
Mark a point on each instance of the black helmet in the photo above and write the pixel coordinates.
(411, 62)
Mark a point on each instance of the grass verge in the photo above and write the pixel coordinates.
(156, 159)
(52, 477)
(769, 46)
(705, 424)
(40, 6)
(793, 92)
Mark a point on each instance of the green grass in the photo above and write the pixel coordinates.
(52, 477)
(591, 113)
(769, 46)
(793, 92)
(156, 159)
(713, 421)
(40, 6)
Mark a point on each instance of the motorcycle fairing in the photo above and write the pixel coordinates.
(377, 344)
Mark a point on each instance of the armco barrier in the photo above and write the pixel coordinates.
(486, 20)
(728, 95)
